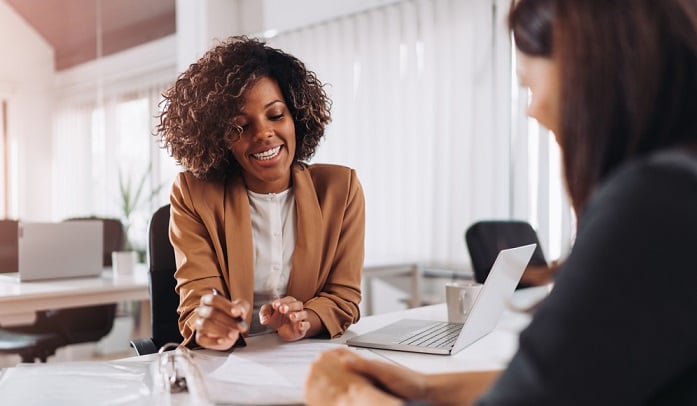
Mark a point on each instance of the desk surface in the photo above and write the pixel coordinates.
(124, 379)
(19, 301)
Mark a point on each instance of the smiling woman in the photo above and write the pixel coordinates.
(249, 217)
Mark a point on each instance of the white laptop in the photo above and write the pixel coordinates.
(438, 337)
(68, 249)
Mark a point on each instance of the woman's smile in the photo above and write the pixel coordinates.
(269, 154)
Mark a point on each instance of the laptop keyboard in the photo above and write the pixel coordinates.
(437, 335)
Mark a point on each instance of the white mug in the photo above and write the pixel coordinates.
(123, 262)
(460, 297)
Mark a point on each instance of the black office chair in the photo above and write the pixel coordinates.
(485, 239)
(164, 300)
(53, 329)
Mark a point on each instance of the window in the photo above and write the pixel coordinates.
(107, 163)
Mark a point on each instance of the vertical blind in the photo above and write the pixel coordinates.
(97, 148)
(422, 94)
(426, 108)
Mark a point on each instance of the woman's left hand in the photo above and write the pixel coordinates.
(288, 316)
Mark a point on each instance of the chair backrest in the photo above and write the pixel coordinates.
(9, 246)
(485, 239)
(164, 300)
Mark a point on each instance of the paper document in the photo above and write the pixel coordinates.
(283, 365)
(264, 372)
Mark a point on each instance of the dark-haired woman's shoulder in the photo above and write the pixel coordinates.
(661, 185)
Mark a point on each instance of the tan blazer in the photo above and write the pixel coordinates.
(211, 231)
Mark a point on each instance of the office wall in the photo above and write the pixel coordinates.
(26, 74)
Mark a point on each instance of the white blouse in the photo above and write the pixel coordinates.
(274, 234)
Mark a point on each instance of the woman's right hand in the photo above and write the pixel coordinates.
(331, 382)
(216, 325)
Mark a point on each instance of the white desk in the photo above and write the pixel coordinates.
(493, 351)
(128, 381)
(19, 301)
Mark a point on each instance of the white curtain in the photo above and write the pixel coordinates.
(421, 93)
(3, 154)
(95, 146)
(426, 109)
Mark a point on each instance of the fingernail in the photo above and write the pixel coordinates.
(204, 311)
(284, 308)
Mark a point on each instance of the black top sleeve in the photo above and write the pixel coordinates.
(619, 327)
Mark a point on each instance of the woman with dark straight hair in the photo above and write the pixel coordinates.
(616, 82)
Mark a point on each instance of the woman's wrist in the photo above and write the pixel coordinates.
(316, 326)
(367, 394)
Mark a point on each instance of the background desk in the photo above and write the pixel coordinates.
(414, 273)
(19, 301)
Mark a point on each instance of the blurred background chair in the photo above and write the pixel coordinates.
(164, 300)
(9, 246)
(53, 329)
(485, 239)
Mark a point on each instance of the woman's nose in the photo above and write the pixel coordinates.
(263, 130)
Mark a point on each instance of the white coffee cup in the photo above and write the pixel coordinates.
(123, 262)
(460, 297)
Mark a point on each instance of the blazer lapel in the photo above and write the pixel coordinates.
(239, 244)
(308, 248)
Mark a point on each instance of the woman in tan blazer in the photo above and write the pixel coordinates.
(263, 241)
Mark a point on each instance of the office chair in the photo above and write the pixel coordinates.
(9, 246)
(485, 239)
(164, 300)
(53, 329)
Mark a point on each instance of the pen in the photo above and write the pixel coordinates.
(238, 319)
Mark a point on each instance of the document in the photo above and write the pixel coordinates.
(265, 373)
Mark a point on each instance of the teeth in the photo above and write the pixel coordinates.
(266, 155)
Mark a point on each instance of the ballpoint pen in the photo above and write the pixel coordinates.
(238, 319)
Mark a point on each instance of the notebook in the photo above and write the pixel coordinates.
(59, 250)
(437, 337)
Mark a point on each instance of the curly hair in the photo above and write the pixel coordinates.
(196, 120)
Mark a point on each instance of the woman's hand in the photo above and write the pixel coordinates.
(287, 316)
(332, 382)
(217, 327)
(341, 376)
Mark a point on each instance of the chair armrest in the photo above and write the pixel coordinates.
(144, 346)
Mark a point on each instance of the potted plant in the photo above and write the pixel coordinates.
(132, 196)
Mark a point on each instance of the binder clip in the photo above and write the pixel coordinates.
(176, 372)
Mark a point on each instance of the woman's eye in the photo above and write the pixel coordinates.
(276, 117)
